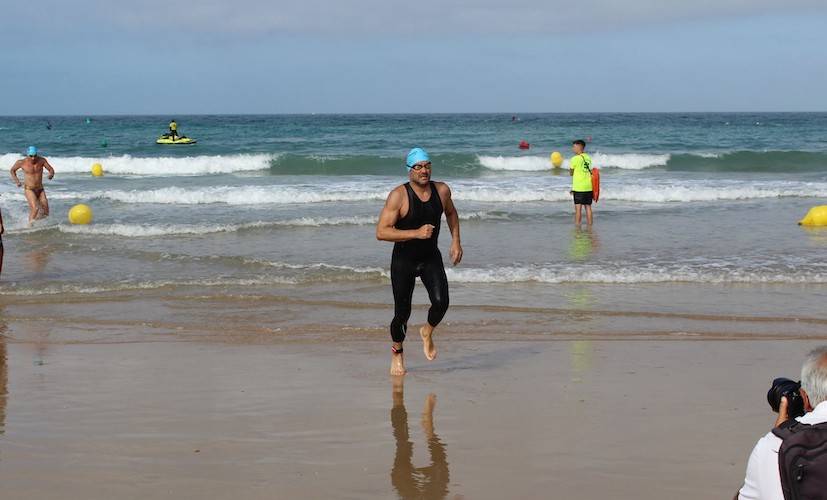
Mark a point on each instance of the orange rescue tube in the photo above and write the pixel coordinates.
(595, 184)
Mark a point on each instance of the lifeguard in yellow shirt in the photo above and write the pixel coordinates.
(581, 182)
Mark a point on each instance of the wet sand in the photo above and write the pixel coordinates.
(261, 402)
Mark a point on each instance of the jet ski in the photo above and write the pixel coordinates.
(182, 139)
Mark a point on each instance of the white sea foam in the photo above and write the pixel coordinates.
(651, 193)
(655, 192)
(629, 161)
(149, 231)
(233, 195)
(632, 161)
(519, 163)
(322, 268)
(139, 231)
(294, 274)
(66, 288)
(157, 166)
(694, 193)
(515, 191)
(631, 275)
(142, 231)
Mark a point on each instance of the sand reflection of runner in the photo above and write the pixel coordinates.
(583, 244)
(417, 482)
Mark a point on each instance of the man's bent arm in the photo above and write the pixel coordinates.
(49, 168)
(451, 215)
(17, 166)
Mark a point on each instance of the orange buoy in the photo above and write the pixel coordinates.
(595, 184)
(524, 145)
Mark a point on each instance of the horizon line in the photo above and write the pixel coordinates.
(390, 113)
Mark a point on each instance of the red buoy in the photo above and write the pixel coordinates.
(524, 145)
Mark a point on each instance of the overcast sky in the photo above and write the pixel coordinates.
(351, 56)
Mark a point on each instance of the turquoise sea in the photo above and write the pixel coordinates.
(698, 211)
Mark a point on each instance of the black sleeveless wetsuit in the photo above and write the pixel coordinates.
(421, 258)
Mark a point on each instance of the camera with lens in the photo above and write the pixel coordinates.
(784, 387)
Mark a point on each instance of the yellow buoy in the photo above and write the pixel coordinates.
(97, 170)
(817, 216)
(556, 159)
(80, 214)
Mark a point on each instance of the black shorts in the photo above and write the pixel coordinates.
(582, 197)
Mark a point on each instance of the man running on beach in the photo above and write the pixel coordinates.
(32, 167)
(411, 219)
(581, 183)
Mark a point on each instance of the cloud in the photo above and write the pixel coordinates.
(716, 63)
(360, 18)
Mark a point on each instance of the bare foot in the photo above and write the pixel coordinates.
(397, 364)
(428, 346)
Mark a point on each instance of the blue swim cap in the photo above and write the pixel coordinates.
(415, 156)
(32, 151)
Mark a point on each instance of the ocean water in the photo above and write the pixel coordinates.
(697, 211)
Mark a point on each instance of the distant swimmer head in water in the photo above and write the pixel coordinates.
(32, 151)
(419, 166)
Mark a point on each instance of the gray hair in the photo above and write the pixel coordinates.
(814, 375)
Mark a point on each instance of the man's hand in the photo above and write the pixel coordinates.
(455, 252)
(425, 232)
(783, 416)
(51, 176)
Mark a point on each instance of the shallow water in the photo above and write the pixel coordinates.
(693, 206)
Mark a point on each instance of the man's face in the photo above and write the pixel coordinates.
(577, 148)
(420, 173)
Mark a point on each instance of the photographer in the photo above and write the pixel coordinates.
(802, 445)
